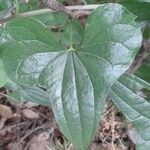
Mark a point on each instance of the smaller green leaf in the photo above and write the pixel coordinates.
(52, 19)
(146, 32)
(33, 94)
(126, 94)
(30, 27)
(3, 76)
(31, 5)
(144, 72)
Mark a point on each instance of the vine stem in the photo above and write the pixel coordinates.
(43, 11)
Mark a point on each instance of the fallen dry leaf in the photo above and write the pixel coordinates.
(2, 122)
(5, 111)
(26, 1)
(28, 113)
(40, 142)
(132, 133)
(96, 146)
(30, 104)
(13, 146)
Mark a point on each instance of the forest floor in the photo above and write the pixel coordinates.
(28, 126)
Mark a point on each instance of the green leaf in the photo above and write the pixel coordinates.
(5, 4)
(31, 5)
(126, 94)
(32, 94)
(146, 32)
(31, 30)
(20, 93)
(138, 7)
(23, 7)
(76, 74)
(52, 19)
(144, 1)
(91, 1)
(3, 77)
(144, 72)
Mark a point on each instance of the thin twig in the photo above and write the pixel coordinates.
(32, 131)
(43, 11)
(18, 121)
(56, 6)
(113, 129)
(123, 146)
(106, 112)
